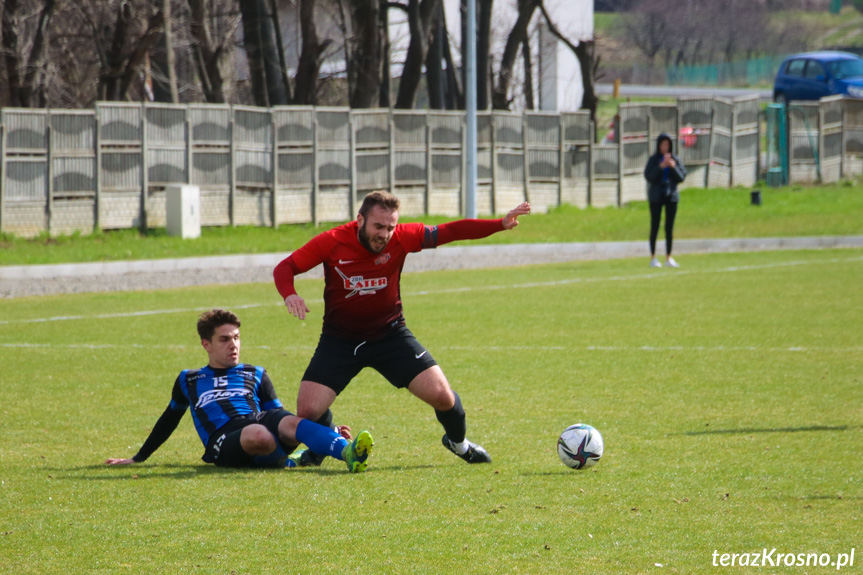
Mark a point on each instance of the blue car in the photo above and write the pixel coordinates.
(813, 75)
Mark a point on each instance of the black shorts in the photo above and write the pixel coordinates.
(397, 356)
(224, 449)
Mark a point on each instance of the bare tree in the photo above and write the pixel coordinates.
(454, 93)
(385, 95)
(500, 97)
(528, 74)
(124, 35)
(280, 50)
(164, 62)
(268, 84)
(435, 80)
(26, 78)
(483, 62)
(585, 53)
(648, 28)
(11, 51)
(422, 19)
(208, 53)
(364, 69)
(308, 70)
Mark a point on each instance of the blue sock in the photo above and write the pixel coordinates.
(320, 439)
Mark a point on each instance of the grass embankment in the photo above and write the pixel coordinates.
(711, 213)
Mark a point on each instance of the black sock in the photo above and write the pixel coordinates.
(326, 420)
(453, 421)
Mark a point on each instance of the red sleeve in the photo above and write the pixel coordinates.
(460, 230)
(299, 262)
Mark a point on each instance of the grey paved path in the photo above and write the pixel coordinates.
(20, 281)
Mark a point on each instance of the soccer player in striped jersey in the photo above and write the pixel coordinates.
(238, 416)
(363, 321)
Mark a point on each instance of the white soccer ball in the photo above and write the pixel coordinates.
(579, 446)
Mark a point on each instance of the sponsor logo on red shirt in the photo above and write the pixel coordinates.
(360, 285)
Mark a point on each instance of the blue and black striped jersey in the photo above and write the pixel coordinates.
(218, 395)
(215, 397)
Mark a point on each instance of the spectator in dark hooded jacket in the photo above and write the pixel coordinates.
(663, 172)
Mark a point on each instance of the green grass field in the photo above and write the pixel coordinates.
(704, 213)
(728, 392)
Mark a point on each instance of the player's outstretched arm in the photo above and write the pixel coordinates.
(511, 219)
(297, 306)
(163, 429)
(471, 229)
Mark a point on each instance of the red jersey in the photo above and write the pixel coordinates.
(362, 296)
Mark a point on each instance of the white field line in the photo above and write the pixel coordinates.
(487, 348)
(570, 281)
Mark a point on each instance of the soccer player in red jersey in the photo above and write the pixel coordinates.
(363, 321)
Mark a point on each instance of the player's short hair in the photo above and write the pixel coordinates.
(379, 198)
(210, 320)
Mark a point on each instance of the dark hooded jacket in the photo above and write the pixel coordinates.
(662, 182)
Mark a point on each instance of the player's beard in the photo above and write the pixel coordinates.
(364, 239)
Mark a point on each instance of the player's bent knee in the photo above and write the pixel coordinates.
(257, 440)
(444, 400)
(314, 400)
(440, 398)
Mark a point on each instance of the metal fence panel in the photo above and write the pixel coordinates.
(746, 113)
(210, 124)
(333, 129)
(634, 135)
(73, 156)
(576, 128)
(73, 132)
(445, 134)
(294, 126)
(723, 120)
(831, 148)
(73, 176)
(371, 130)
(446, 129)
(410, 140)
(605, 161)
(253, 146)
(26, 179)
(803, 125)
(25, 131)
(663, 120)
(696, 120)
(852, 125)
(409, 129)
(333, 126)
(210, 135)
(543, 138)
(217, 146)
(295, 139)
(26, 176)
(577, 139)
(165, 133)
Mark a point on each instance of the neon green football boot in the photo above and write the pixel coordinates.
(356, 453)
